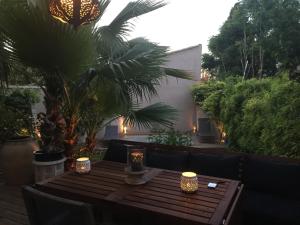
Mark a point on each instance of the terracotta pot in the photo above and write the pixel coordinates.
(16, 160)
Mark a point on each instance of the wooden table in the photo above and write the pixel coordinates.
(159, 200)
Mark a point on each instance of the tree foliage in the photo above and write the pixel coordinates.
(259, 38)
(259, 116)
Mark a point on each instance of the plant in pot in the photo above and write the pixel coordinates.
(15, 135)
(50, 135)
(49, 160)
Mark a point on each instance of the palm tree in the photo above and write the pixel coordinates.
(90, 62)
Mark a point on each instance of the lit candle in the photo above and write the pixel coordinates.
(136, 158)
(194, 129)
(83, 165)
(189, 182)
(125, 130)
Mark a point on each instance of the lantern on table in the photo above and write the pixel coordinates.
(83, 165)
(135, 158)
(189, 182)
(135, 168)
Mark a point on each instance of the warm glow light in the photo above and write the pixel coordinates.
(125, 130)
(189, 174)
(75, 12)
(189, 182)
(137, 156)
(83, 159)
(194, 129)
(135, 159)
(83, 165)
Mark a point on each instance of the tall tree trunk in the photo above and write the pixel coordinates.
(71, 140)
(261, 61)
(244, 59)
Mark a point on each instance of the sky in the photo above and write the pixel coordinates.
(180, 24)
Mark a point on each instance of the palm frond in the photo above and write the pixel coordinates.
(116, 32)
(135, 69)
(39, 41)
(103, 4)
(151, 115)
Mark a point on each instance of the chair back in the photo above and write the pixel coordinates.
(46, 209)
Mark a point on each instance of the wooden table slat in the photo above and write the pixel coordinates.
(171, 182)
(209, 202)
(188, 205)
(176, 185)
(185, 216)
(80, 183)
(164, 205)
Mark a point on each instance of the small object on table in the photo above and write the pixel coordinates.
(135, 165)
(212, 185)
(83, 165)
(135, 158)
(189, 182)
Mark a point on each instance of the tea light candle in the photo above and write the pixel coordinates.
(83, 165)
(189, 182)
(136, 158)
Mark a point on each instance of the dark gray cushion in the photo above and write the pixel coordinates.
(273, 177)
(116, 152)
(218, 165)
(170, 160)
(263, 209)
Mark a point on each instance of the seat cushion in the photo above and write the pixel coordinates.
(116, 152)
(218, 165)
(170, 160)
(272, 176)
(264, 209)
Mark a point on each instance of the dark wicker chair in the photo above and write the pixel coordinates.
(45, 209)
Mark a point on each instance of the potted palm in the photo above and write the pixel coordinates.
(49, 159)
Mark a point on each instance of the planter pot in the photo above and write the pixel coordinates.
(16, 160)
(46, 170)
(41, 156)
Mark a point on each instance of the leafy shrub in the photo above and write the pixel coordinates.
(171, 137)
(259, 116)
(16, 117)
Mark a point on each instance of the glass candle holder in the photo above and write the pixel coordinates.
(135, 158)
(83, 165)
(189, 182)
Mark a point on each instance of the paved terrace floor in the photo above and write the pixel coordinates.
(12, 208)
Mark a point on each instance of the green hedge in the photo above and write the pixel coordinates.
(259, 116)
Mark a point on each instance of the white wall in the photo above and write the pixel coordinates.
(177, 92)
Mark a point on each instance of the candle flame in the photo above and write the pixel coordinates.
(82, 159)
(189, 174)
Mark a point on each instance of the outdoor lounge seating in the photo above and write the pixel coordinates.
(45, 209)
(271, 195)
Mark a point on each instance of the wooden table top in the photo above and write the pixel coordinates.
(161, 195)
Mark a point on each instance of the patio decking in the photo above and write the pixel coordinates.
(12, 209)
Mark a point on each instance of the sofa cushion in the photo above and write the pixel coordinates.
(272, 176)
(116, 152)
(170, 160)
(218, 165)
(261, 209)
